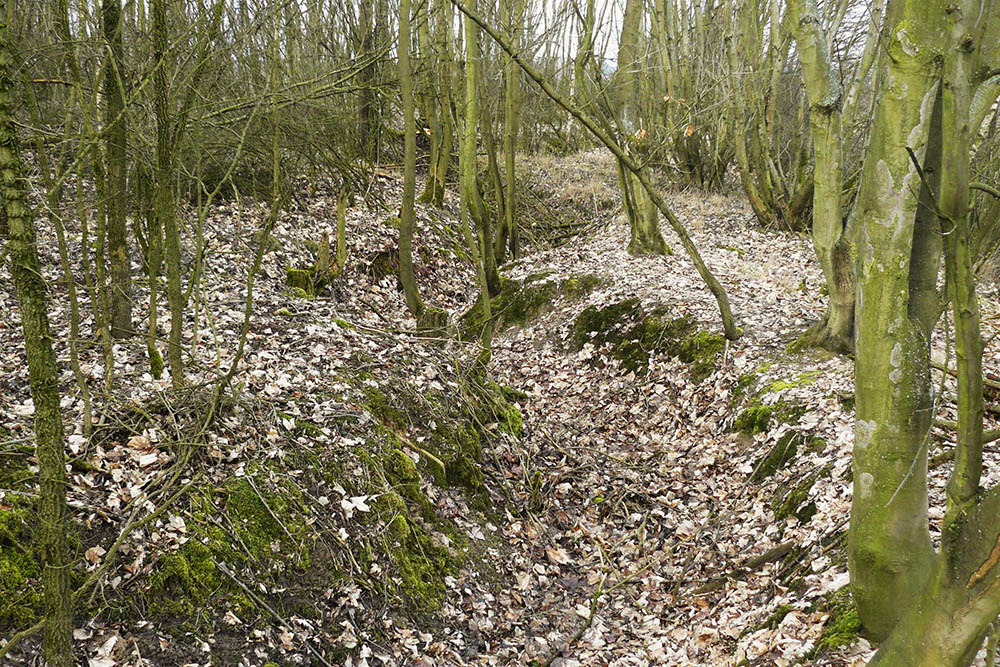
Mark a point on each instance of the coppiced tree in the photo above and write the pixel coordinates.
(645, 237)
(832, 238)
(472, 198)
(595, 127)
(771, 141)
(688, 67)
(931, 607)
(510, 236)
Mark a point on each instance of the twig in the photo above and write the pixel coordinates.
(13, 641)
(583, 628)
(263, 605)
(775, 554)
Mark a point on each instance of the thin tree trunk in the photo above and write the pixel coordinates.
(43, 374)
(406, 215)
(163, 194)
(117, 168)
(511, 121)
(728, 323)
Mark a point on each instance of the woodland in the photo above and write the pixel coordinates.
(387, 333)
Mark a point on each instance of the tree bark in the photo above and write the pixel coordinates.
(831, 236)
(889, 548)
(116, 171)
(406, 215)
(43, 375)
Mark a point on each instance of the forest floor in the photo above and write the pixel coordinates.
(665, 514)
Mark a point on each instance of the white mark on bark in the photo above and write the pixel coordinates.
(863, 432)
(918, 135)
(895, 359)
(908, 45)
(896, 356)
(865, 484)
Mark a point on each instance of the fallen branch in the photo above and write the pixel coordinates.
(775, 554)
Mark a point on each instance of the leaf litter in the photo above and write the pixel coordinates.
(622, 528)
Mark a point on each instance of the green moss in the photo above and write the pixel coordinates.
(184, 582)
(402, 476)
(757, 417)
(379, 406)
(516, 304)
(800, 380)
(795, 501)
(512, 393)
(342, 323)
(510, 420)
(777, 616)
(20, 562)
(299, 278)
(306, 283)
(302, 426)
(701, 351)
(778, 457)
(433, 321)
(744, 384)
(576, 287)
(520, 301)
(843, 626)
(631, 336)
(155, 361)
(422, 566)
(262, 534)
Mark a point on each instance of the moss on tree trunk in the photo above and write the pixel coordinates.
(43, 374)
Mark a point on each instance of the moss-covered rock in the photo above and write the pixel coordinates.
(777, 457)
(576, 287)
(630, 335)
(313, 279)
(517, 302)
(794, 500)
(263, 534)
(520, 301)
(758, 417)
(184, 582)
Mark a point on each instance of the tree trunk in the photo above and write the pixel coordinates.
(43, 374)
(889, 548)
(163, 199)
(473, 200)
(645, 237)
(406, 215)
(117, 168)
(511, 121)
(831, 239)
